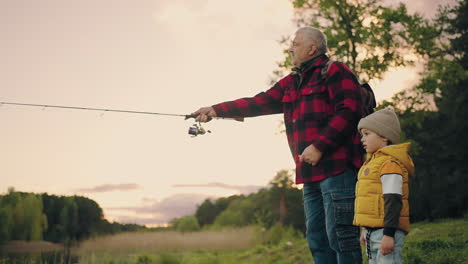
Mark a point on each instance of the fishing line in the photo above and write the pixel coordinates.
(193, 130)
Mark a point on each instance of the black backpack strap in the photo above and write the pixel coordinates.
(367, 93)
(369, 98)
(325, 69)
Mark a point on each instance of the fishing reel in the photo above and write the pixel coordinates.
(197, 129)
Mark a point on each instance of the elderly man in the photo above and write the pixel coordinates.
(321, 115)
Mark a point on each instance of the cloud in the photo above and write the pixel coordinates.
(163, 211)
(160, 212)
(110, 188)
(243, 189)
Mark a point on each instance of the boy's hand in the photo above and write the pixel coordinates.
(363, 236)
(387, 245)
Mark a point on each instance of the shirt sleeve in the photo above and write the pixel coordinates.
(392, 188)
(346, 100)
(264, 103)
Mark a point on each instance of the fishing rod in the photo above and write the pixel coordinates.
(194, 130)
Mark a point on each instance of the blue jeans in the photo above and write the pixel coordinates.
(329, 212)
(375, 241)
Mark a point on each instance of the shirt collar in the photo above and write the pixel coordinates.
(306, 65)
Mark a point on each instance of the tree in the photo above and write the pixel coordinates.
(90, 215)
(367, 36)
(63, 219)
(240, 212)
(206, 213)
(33, 217)
(22, 217)
(186, 224)
(280, 184)
(6, 223)
(19, 228)
(437, 122)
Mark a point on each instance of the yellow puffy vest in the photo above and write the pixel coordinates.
(369, 203)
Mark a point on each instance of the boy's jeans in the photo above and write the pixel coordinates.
(375, 240)
(329, 212)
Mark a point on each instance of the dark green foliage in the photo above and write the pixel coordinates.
(63, 219)
(372, 38)
(5, 225)
(145, 259)
(186, 224)
(280, 203)
(366, 35)
(295, 216)
(208, 211)
(438, 128)
(90, 216)
(287, 201)
(21, 216)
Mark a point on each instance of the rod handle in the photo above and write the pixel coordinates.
(240, 119)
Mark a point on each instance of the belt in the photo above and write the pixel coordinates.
(368, 250)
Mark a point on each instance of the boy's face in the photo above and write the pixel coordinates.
(372, 141)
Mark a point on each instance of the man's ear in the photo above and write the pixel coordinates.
(312, 50)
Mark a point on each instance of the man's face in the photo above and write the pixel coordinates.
(301, 49)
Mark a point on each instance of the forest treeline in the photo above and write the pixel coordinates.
(61, 219)
(278, 203)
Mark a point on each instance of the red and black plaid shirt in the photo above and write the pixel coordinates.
(319, 111)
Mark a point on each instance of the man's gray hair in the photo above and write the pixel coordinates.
(315, 35)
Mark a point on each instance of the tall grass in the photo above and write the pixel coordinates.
(30, 246)
(441, 242)
(241, 238)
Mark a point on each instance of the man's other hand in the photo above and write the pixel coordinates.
(204, 114)
(311, 155)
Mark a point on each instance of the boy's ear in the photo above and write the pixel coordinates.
(385, 140)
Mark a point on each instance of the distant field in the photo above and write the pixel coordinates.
(241, 238)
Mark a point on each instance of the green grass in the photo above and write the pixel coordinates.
(441, 242)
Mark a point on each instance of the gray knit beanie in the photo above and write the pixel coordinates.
(383, 122)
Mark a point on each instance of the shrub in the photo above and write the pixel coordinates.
(166, 258)
(145, 259)
(187, 224)
(276, 234)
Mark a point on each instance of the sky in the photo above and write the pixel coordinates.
(166, 56)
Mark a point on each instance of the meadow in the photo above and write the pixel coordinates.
(441, 242)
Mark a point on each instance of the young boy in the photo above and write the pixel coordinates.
(381, 205)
